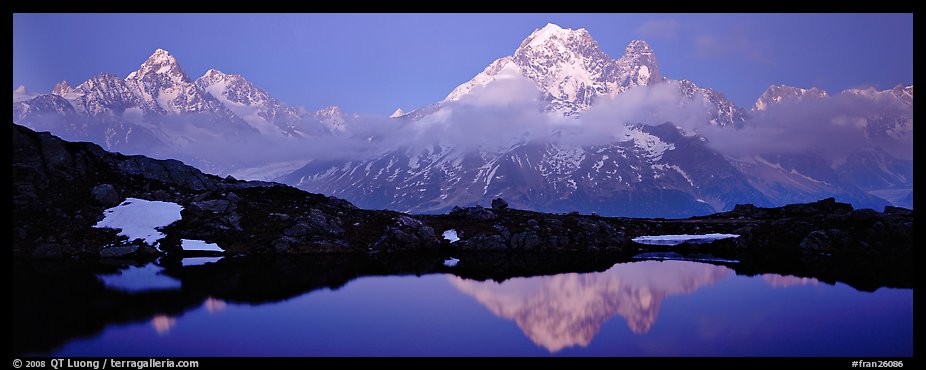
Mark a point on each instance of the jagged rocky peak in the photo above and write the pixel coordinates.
(165, 88)
(571, 71)
(551, 32)
(777, 94)
(638, 47)
(21, 94)
(160, 62)
(233, 87)
(42, 105)
(106, 85)
(104, 93)
(330, 111)
(569, 68)
(639, 62)
(250, 102)
(332, 117)
(899, 92)
(721, 111)
(212, 75)
(62, 88)
(904, 93)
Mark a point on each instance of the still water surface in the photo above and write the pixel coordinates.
(647, 308)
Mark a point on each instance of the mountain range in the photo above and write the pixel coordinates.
(665, 169)
(159, 110)
(650, 170)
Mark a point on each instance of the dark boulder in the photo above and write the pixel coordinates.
(118, 251)
(105, 195)
(891, 210)
(499, 203)
(478, 213)
(825, 206)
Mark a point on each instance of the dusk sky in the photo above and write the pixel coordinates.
(375, 63)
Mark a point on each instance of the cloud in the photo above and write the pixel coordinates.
(649, 105)
(658, 28)
(832, 127)
(509, 112)
(494, 117)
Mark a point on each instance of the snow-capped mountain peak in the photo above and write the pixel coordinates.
(499, 69)
(160, 62)
(777, 94)
(722, 111)
(332, 117)
(260, 110)
(637, 67)
(640, 47)
(62, 88)
(567, 65)
(212, 74)
(540, 35)
(21, 94)
(161, 56)
(398, 113)
(549, 32)
(230, 86)
(571, 71)
(164, 87)
(904, 93)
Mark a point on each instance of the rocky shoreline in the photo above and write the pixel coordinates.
(60, 190)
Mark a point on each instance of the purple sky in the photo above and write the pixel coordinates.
(374, 63)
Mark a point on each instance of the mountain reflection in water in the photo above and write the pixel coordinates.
(510, 305)
(566, 310)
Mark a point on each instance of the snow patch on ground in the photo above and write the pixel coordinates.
(451, 262)
(451, 235)
(652, 145)
(681, 238)
(199, 245)
(140, 219)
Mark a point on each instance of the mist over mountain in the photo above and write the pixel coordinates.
(557, 126)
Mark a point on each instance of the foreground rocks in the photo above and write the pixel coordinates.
(60, 190)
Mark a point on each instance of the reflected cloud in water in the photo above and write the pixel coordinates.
(213, 305)
(163, 323)
(568, 310)
(784, 281)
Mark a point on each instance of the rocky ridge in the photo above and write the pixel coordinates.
(61, 189)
